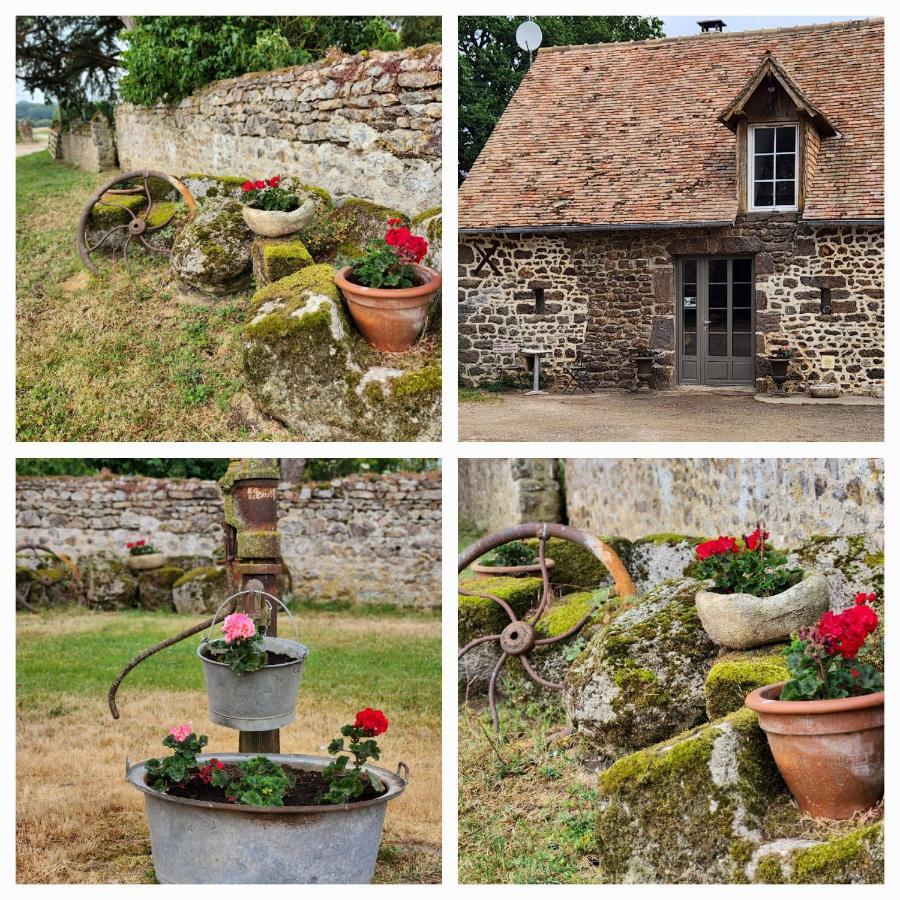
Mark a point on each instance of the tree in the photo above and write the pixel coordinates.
(73, 59)
(491, 64)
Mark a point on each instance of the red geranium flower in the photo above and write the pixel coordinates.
(372, 721)
(273, 181)
(247, 186)
(752, 541)
(716, 547)
(397, 237)
(393, 222)
(259, 185)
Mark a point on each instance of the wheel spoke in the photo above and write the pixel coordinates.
(492, 688)
(473, 644)
(105, 236)
(535, 676)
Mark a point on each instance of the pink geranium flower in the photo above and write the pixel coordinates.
(238, 625)
(182, 732)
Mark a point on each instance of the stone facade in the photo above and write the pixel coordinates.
(604, 291)
(797, 498)
(89, 145)
(366, 126)
(498, 493)
(373, 539)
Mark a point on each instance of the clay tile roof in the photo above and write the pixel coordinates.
(629, 134)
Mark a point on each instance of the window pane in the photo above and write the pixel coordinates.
(764, 167)
(718, 319)
(718, 270)
(764, 140)
(740, 318)
(742, 269)
(740, 345)
(690, 320)
(718, 344)
(786, 138)
(762, 193)
(740, 294)
(784, 193)
(689, 268)
(784, 166)
(690, 344)
(718, 296)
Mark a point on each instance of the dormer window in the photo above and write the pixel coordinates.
(773, 167)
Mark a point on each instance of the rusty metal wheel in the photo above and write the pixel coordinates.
(138, 226)
(78, 584)
(518, 638)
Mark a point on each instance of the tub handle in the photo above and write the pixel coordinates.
(268, 598)
(127, 764)
(403, 771)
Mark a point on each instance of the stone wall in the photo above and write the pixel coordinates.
(366, 126)
(498, 493)
(797, 498)
(605, 291)
(89, 145)
(374, 539)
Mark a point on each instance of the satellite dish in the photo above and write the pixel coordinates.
(528, 36)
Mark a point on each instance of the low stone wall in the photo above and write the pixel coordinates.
(366, 126)
(797, 498)
(498, 493)
(89, 145)
(373, 539)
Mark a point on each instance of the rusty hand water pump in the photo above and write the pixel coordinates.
(519, 638)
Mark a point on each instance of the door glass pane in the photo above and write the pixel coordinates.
(740, 294)
(718, 270)
(690, 344)
(784, 193)
(740, 318)
(718, 344)
(689, 269)
(690, 320)
(741, 270)
(718, 319)
(718, 296)
(740, 344)
(762, 193)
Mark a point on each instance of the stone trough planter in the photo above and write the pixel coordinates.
(204, 842)
(144, 561)
(274, 223)
(741, 621)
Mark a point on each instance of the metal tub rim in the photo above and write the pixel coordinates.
(303, 651)
(134, 774)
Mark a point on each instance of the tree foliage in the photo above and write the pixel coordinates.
(73, 59)
(491, 64)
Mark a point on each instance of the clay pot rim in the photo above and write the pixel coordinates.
(760, 701)
(509, 570)
(427, 288)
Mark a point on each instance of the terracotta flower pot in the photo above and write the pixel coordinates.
(829, 752)
(511, 571)
(274, 223)
(390, 319)
(145, 561)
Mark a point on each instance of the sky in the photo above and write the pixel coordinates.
(679, 25)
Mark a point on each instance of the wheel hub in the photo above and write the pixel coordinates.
(517, 638)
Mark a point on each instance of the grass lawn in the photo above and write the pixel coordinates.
(117, 357)
(77, 820)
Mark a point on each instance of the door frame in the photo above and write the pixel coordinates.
(703, 260)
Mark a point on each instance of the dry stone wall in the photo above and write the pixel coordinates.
(372, 539)
(606, 291)
(89, 145)
(366, 126)
(797, 498)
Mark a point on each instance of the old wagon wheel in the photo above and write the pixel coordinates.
(518, 638)
(137, 226)
(22, 595)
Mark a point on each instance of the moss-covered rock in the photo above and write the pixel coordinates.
(47, 586)
(108, 582)
(689, 810)
(346, 229)
(200, 590)
(851, 564)
(659, 557)
(641, 678)
(212, 253)
(213, 186)
(429, 225)
(307, 366)
(155, 587)
(115, 209)
(735, 675)
(276, 258)
(575, 568)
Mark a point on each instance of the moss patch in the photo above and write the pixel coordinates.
(116, 209)
(477, 616)
(281, 259)
(737, 674)
(855, 858)
(575, 568)
(162, 212)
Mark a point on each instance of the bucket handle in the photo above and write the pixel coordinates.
(403, 771)
(267, 597)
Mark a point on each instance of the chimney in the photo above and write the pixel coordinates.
(707, 25)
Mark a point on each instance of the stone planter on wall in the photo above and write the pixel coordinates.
(740, 621)
(275, 223)
(142, 561)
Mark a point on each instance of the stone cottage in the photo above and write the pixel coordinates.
(715, 197)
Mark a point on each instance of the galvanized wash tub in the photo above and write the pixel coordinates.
(255, 701)
(201, 842)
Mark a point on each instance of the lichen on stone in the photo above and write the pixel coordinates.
(200, 590)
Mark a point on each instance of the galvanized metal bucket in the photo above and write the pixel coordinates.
(201, 842)
(255, 701)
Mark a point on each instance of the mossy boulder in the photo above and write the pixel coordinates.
(109, 583)
(660, 557)
(307, 367)
(209, 187)
(46, 586)
(212, 253)
(478, 616)
(856, 857)
(200, 590)
(641, 678)
(575, 568)
(429, 225)
(689, 810)
(346, 229)
(155, 587)
(276, 258)
(851, 564)
(115, 209)
(735, 675)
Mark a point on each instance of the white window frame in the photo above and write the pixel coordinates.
(751, 167)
